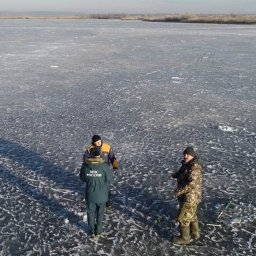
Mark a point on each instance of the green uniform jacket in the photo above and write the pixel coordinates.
(97, 175)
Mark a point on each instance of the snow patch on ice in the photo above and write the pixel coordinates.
(153, 72)
(85, 218)
(226, 128)
(177, 80)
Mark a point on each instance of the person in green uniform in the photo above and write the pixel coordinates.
(97, 175)
(107, 154)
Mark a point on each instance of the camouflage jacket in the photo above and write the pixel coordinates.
(189, 181)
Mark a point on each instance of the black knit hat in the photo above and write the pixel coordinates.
(189, 151)
(95, 151)
(95, 138)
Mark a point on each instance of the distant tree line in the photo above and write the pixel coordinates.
(185, 18)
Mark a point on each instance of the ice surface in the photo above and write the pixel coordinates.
(149, 89)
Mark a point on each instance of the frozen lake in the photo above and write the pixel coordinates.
(149, 89)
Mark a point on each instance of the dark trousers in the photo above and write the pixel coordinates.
(95, 216)
(109, 193)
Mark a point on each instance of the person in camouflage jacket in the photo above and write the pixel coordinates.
(189, 194)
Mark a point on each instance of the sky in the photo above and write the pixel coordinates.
(133, 6)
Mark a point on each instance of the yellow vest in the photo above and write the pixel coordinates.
(105, 150)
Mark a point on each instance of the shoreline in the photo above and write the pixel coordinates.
(184, 18)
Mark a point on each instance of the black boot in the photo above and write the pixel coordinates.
(108, 204)
(184, 237)
(194, 227)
